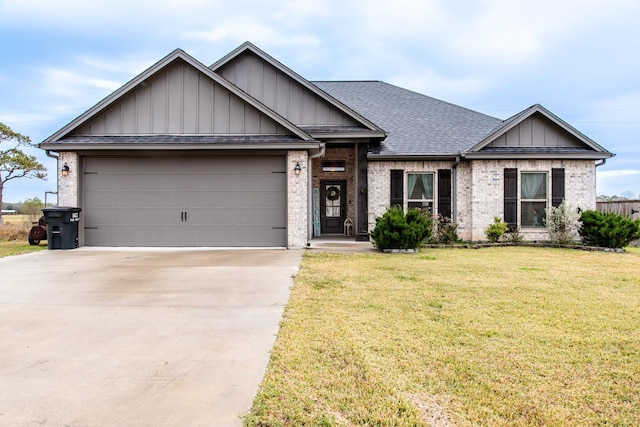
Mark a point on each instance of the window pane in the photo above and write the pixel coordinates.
(533, 214)
(534, 186)
(420, 186)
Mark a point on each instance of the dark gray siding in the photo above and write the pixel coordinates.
(180, 100)
(282, 93)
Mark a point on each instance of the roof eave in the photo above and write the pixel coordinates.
(348, 135)
(388, 156)
(311, 146)
(592, 155)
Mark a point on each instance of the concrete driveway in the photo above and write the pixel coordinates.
(102, 337)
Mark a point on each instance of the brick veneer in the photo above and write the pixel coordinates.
(480, 189)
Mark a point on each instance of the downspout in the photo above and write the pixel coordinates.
(601, 164)
(454, 179)
(310, 192)
(57, 157)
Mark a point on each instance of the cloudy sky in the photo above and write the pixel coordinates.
(578, 58)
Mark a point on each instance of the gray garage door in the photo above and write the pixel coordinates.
(185, 201)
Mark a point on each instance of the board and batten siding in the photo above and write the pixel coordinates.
(181, 100)
(282, 93)
(536, 131)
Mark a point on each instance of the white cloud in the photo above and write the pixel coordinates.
(618, 173)
(72, 84)
(125, 66)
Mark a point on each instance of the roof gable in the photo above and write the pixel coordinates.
(286, 92)
(176, 96)
(537, 131)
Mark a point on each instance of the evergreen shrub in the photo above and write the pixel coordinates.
(608, 229)
(395, 230)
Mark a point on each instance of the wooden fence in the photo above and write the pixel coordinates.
(629, 208)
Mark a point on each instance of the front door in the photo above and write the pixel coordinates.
(333, 207)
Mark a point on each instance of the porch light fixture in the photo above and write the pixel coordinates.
(297, 169)
(65, 170)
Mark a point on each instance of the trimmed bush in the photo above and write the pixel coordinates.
(562, 224)
(495, 231)
(395, 230)
(608, 229)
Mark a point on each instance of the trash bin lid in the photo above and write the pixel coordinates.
(61, 209)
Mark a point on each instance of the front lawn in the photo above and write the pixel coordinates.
(500, 336)
(19, 247)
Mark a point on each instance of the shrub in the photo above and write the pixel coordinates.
(608, 229)
(495, 231)
(562, 224)
(514, 236)
(395, 230)
(445, 231)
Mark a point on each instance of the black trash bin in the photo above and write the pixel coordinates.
(62, 227)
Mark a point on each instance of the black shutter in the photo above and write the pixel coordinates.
(557, 187)
(397, 188)
(444, 192)
(511, 198)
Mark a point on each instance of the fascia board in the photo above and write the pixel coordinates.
(347, 135)
(412, 157)
(592, 155)
(173, 147)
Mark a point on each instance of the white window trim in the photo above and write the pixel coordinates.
(433, 183)
(546, 200)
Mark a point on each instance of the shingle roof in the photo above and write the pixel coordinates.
(436, 127)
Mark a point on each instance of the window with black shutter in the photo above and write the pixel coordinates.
(397, 188)
(511, 197)
(557, 187)
(444, 193)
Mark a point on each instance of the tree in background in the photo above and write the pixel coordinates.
(15, 163)
(32, 207)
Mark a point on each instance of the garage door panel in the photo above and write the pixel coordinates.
(228, 201)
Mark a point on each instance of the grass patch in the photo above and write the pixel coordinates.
(19, 247)
(503, 336)
(13, 237)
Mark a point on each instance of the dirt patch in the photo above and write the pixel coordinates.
(433, 413)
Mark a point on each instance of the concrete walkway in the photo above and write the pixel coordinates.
(100, 337)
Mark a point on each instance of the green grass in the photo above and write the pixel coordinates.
(19, 247)
(501, 336)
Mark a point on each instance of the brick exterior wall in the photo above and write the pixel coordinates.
(348, 155)
(68, 185)
(480, 189)
(487, 190)
(379, 186)
(297, 200)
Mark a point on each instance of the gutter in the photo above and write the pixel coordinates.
(53, 156)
